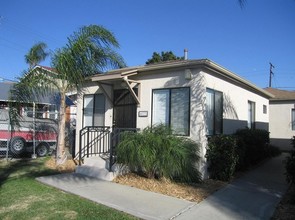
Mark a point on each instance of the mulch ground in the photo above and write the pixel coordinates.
(194, 192)
(68, 166)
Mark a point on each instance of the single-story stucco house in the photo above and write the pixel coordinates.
(281, 117)
(196, 98)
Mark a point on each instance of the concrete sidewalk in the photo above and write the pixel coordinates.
(253, 196)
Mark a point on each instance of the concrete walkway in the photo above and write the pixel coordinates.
(253, 196)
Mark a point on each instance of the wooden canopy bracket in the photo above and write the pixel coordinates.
(103, 89)
(130, 85)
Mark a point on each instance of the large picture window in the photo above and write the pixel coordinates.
(251, 115)
(94, 110)
(171, 107)
(214, 112)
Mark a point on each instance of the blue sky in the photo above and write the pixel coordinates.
(241, 40)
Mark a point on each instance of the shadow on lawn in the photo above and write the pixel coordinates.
(23, 168)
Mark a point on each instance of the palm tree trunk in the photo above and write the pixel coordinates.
(60, 150)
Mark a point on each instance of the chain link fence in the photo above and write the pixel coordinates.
(34, 135)
(4, 136)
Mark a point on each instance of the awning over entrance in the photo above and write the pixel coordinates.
(106, 79)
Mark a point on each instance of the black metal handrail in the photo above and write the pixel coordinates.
(97, 140)
(94, 140)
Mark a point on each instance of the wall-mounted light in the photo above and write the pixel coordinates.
(187, 74)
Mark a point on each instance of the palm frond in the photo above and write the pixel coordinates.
(36, 54)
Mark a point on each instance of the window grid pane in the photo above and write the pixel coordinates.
(94, 110)
(214, 112)
(218, 112)
(180, 111)
(171, 107)
(99, 110)
(251, 115)
(210, 111)
(88, 110)
(161, 107)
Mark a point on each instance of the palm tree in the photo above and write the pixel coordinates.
(89, 50)
(36, 54)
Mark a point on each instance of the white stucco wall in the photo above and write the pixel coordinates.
(91, 88)
(280, 126)
(235, 102)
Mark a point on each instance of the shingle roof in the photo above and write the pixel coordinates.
(281, 94)
(50, 99)
(46, 68)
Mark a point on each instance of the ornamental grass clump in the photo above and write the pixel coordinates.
(157, 153)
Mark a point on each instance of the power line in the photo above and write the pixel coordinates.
(5, 79)
(284, 87)
(19, 27)
(19, 47)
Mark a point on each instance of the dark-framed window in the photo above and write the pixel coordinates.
(94, 110)
(214, 112)
(172, 108)
(251, 114)
(264, 109)
(293, 119)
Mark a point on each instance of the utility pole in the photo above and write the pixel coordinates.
(270, 73)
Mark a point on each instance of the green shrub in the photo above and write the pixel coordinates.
(290, 164)
(158, 153)
(290, 167)
(222, 157)
(253, 146)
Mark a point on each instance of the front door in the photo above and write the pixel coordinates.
(124, 109)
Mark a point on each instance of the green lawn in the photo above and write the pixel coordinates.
(22, 197)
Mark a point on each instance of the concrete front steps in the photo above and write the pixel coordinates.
(96, 167)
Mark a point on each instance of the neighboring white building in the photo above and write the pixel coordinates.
(197, 98)
(281, 117)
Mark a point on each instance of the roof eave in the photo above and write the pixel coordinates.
(237, 78)
(188, 64)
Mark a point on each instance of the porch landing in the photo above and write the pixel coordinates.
(96, 167)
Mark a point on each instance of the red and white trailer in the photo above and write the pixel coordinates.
(37, 133)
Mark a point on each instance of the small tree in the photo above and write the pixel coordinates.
(164, 56)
